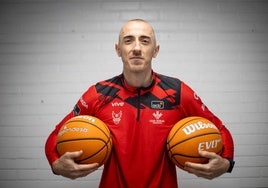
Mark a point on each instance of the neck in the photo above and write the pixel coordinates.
(139, 79)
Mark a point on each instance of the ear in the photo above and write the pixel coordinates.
(156, 50)
(117, 49)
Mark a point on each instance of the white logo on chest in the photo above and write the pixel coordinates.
(157, 118)
(116, 117)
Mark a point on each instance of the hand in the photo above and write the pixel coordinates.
(67, 167)
(214, 168)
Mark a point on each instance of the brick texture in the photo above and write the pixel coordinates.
(51, 51)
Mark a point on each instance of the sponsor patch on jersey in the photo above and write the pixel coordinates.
(117, 104)
(157, 104)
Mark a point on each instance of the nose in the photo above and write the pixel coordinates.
(137, 48)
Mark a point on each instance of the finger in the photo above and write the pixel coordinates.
(207, 154)
(194, 166)
(89, 167)
(83, 170)
(74, 154)
(200, 170)
(203, 174)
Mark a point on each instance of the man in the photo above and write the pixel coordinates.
(139, 158)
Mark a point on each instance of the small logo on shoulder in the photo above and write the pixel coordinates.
(157, 104)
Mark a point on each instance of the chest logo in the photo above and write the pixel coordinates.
(157, 115)
(117, 117)
(119, 104)
(157, 118)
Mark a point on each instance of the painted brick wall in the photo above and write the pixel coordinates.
(51, 51)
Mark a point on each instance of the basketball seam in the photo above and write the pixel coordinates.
(190, 119)
(179, 164)
(78, 139)
(104, 146)
(190, 156)
(78, 120)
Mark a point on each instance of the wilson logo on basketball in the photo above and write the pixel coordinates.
(197, 126)
(190, 135)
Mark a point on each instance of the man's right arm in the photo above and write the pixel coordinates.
(50, 147)
(65, 165)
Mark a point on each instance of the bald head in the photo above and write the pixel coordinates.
(137, 25)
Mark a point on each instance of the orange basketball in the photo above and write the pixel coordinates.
(190, 135)
(86, 133)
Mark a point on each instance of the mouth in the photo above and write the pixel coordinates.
(136, 58)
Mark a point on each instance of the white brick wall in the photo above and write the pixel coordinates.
(51, 51)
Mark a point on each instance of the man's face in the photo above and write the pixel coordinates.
(137, 46)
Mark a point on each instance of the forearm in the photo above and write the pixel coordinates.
(228, 145)
(50, 148)
(51, 143)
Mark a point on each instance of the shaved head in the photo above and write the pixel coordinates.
(140, 21)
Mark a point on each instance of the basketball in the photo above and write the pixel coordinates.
(86, 133)
(190, 135)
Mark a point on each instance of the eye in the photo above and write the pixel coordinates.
(127, 40)
(145, 41)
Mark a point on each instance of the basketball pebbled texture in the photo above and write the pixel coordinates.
(86, 133)
(190, 135)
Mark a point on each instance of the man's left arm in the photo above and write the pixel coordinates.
(218, 164)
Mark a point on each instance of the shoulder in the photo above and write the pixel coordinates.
(97, 95)
(110, 85)
(168, 82)
(102, 87)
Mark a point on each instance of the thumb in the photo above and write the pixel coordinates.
(207, 154)
(73, 154)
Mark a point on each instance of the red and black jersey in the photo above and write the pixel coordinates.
(139, 120)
